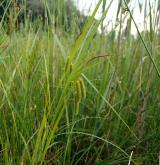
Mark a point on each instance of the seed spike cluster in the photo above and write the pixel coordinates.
(81, 93)
(83, 89)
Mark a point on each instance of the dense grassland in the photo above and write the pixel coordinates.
(76, 96)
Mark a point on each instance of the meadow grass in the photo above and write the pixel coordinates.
(88, 98)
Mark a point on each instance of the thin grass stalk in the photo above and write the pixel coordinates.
(112, 108)
(150, 55)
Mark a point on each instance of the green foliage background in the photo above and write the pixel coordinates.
(72, 95)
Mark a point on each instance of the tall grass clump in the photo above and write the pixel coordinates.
(73, 93)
